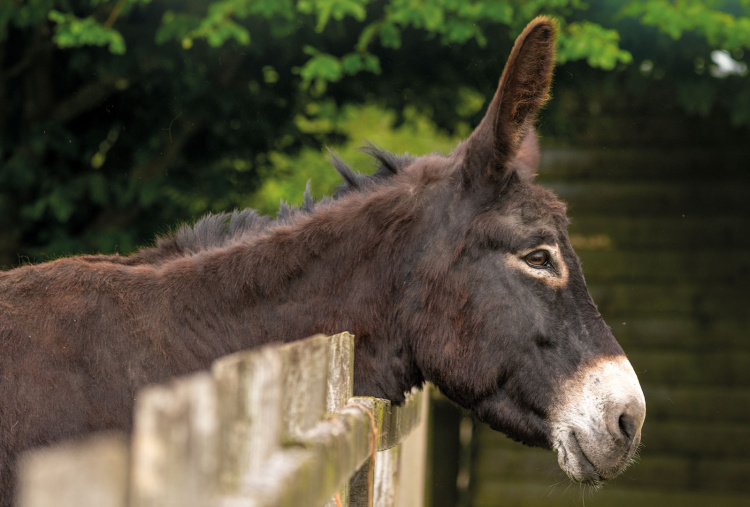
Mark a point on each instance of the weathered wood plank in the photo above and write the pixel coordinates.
(664, 233)
(340, 389)
(304, 392)
(340, 371)
(697, 369)
(639, 163)
(680, 439)
(250, 414)
(698, 404)
(638, 198)
(393, 422)
(386, 479)
(393, 425)
(653, 470)
(707, 440)
(678, 299)
(320, 463)
(85, 473)
(534, 494)
(175, 444)
(682, 334)
(413, 465)
(609, 264)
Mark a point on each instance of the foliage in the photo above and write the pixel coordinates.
(72, 32)
(594, 43)
(282, 179)
(720, 28)
(118, 117)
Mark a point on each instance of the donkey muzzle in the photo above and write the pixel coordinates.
(596, 430)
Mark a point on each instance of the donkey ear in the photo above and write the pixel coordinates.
(523, 89)
(526, 161)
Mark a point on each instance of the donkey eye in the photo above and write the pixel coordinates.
(538, 259)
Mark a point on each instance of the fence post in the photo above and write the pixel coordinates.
(340, 389)
(175, 458)
(249, 401)
(413, 464)
(394, 424)
(340, 371)
(80, 473)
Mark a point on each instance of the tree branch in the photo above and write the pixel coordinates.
(86, 98)
(114, 14)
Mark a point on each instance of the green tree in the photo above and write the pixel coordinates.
(119, 118)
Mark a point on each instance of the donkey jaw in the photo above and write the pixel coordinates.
(597, 430)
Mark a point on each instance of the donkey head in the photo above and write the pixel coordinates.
(523, 346)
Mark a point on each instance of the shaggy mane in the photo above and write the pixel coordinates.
(216, 230)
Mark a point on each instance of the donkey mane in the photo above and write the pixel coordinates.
(217, 230)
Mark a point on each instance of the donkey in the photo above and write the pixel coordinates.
(454, 269)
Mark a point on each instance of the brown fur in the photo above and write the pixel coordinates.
(407, 261)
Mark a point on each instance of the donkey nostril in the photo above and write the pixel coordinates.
(627, 427)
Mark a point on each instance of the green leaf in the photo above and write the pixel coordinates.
(459, 31)
(594, 43)
(321, 67)
(73, 32)
(352, 63)
(390, 36)
(721, 29)
(497, 11)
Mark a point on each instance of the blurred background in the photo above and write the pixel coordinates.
(121, 119)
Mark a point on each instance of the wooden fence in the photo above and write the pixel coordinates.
(275, 426)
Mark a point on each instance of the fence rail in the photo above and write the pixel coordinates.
(268, 427)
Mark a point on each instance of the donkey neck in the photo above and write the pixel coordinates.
(339, 269)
